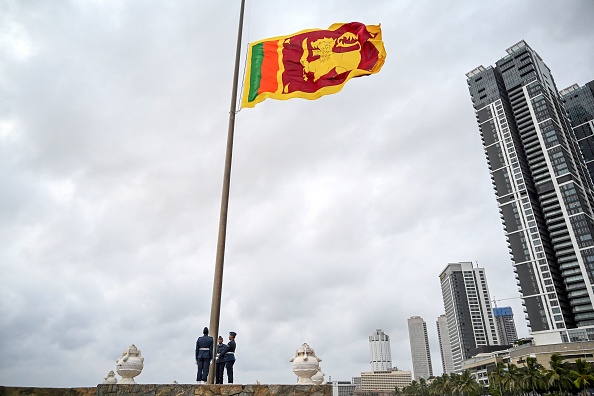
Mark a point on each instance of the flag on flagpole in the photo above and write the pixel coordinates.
(311, 63)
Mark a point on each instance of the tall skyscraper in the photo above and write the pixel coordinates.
(419, 348)
(381, 355)
(445, 349)
(506, 328)
(543, 190)
(579, 105)
(468, 310)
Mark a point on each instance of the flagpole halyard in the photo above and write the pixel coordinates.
(215, 310)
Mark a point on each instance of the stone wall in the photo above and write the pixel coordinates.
(18, 391)
(214, 390)
(174, 390)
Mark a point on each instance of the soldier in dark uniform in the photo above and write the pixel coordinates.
(204, 346)
(227, 356)
(220, 366)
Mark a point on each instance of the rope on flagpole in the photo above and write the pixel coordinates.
(243, 79)
(249, 20)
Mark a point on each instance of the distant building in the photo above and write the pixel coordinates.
(482, 364)
(343, 388)
(468, 310)
(445, 349)
(504, 318)
(381, 355)
(419, 348)
(378, 382)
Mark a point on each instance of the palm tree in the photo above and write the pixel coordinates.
(557, 377)
(441, 386)
(531, 376)
(467, 384)
(423, 387)
(497, 379)
(512, 380)
(412, 390)
(582, 375)
(434, 387)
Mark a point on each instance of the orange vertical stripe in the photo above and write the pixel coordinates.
(270, 68)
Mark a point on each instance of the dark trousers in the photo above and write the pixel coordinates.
(203, 365)
(229, 367)
(220, 368)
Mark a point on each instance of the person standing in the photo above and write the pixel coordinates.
(204, 347)
(220, 366)
(227, 356)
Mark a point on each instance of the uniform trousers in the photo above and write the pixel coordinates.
(203, 366)
(219, 375)
(229, 368)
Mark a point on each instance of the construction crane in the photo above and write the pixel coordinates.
(494, 301)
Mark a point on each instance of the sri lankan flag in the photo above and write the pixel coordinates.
(311, 63)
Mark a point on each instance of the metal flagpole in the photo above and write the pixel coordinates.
(215, 309)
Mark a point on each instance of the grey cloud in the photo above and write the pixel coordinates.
(343, 210)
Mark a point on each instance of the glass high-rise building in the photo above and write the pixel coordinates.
(381, 355)
(579, 105)
(543, 189)
(419, 348)
(506, 328)
(445, 349)
(468, 310)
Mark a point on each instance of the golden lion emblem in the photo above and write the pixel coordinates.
(328, 59)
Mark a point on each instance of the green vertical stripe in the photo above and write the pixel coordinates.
(256, 70)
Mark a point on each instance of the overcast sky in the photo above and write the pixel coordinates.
(343, 211)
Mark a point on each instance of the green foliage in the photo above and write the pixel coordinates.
(532, 379)
(582, 375)
(557, 379)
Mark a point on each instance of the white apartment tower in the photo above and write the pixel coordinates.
(445, 349)
(381, 356)
(419, 348)
(468, 310)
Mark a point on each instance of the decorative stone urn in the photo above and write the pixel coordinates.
(111, 378)
(129, 365)
(305, 364)
(318, 377)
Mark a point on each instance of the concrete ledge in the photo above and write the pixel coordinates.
(213, 390)
(174, 390)
(24, 391)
